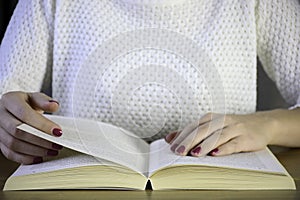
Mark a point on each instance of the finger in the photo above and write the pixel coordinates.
(19, 157)
(207, 145)
(210, 117)
(241, 143)
(9, 124)
(40, 101)
(19, 106)
(233, 146)
(32, 139)
(216, 139)
(189, 138)
(201, 133)
(192, 126)
(170, 136)
(20, 146)
(181, 148)
(187, 130)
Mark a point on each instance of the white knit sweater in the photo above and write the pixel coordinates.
(151, 66)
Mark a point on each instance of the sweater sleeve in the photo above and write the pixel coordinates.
(26, 49)
(278, 45)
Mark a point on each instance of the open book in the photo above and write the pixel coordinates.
(100, 155)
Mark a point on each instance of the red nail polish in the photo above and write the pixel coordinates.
(214, 152)
(54, 101)
(56, 146)
(196, 151)
(181, 149)
(170, 136)
(37, 160)
(57, 132)
(173, 147)
(167, 138)
(52, 153)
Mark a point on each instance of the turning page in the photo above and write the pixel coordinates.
(99, 139)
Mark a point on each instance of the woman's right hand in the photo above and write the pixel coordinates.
(21, 107)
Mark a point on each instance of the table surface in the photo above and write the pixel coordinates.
(289, 158)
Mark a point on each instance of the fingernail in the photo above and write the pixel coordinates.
(214, 152)
(173, 147)
(56, 146)
(54, 101)
(52, 153)
(169, 137)
(37, 160)
(196, 151)
(57, 132)
(181, 149)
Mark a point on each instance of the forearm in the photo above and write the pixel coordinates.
(286, 127)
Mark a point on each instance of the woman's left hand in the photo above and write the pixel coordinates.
(219, 135)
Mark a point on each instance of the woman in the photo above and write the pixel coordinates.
(151, 66)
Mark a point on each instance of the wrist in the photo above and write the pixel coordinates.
(270, 125)
(275, 126)
(283, 127)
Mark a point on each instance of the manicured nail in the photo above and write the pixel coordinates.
(56, 146)
(52, 153)
(170, 136)
(181, 149)
(57, 132)
(173, 147)
(214, 152)
(54, 101)
(196, 151)
(37, 160)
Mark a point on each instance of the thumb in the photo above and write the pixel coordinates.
(42, 103)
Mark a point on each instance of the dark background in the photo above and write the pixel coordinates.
(268, 95)
(6, 9)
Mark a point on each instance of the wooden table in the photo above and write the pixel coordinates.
(289, 158)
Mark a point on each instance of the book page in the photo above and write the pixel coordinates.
(99, 139)
(161, 156)
(66, 159)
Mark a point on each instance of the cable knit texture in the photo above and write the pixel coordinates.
(151, 66)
